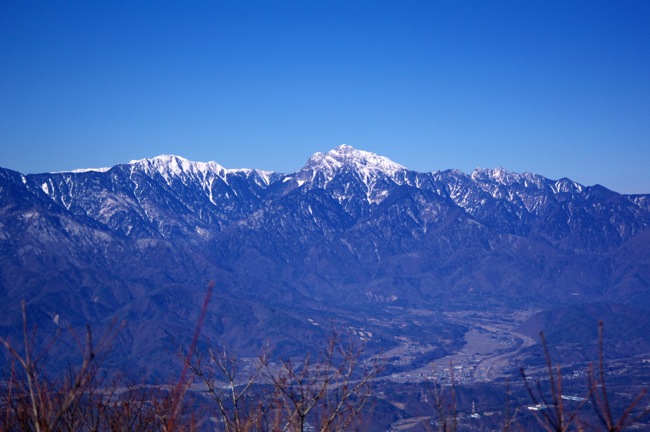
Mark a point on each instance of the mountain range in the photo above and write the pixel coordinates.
(352, 239)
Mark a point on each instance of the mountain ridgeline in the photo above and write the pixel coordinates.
(352, 238)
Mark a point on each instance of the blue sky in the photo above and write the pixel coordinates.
(560, 88)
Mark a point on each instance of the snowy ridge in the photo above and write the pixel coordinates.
(507, 178)
(491, 179)
(373, 173)
(172, 166)
(83, 170)
(526, 179)
(166, 195)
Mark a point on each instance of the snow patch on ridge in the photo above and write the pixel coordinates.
(84, 170)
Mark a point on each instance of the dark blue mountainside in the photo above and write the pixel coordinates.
(351, 238)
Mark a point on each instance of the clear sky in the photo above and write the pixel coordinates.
(560, 88)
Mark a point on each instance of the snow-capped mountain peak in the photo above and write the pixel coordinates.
(363, 160)
(368, 164)
(372, 173)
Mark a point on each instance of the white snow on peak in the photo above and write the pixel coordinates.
(344, 155)
(172, 166)
(566, 185)
(322, 168)
(177, 166)
(498, 174)
(527, 179)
